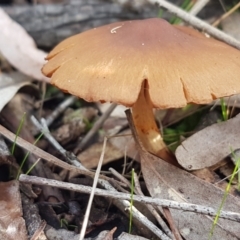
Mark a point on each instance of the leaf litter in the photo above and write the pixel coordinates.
(163, 180)
(210, 145)
(168, 182)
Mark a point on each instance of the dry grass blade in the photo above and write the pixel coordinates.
(95, 181)
(227, 14)
(42, 154)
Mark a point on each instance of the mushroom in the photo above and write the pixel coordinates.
(145, 64)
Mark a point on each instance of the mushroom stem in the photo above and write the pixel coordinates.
(146, 126)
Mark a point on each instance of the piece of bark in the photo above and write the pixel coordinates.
(49, 24)
(31, 215)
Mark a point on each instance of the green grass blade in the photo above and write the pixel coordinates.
(26, 156)
(17, 133)
(224, 109)
(235, 171)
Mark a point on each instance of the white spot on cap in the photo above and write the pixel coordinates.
(143, 44)
(113, 30)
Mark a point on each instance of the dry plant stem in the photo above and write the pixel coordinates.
(44, 128)
(60, 109)
(117, 195)
(198, 6)
(172, 224)
(95, 181)
(226, 14)
(145, 124)
(97, 125)
(154, 212)
(197, 23)
(120, 177)
(42, 154)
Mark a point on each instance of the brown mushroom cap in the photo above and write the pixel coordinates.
(110, 63)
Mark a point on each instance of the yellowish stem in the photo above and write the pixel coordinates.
(146, 126)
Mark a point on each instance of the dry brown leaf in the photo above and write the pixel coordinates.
(12, 225)
(210, 145)
(126, 145)
(166, 181)
(19, 48)
(90, 157)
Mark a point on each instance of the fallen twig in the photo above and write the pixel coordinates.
(117, 195)
(96, 127)
(60, 109)
(71, 158)
(151, 208)
(171, 223)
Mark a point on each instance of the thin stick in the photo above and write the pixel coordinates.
(152, 209)
(95, 181)
(225, 15)
(120, 177)
(198, 6)
(96, 126)
(69, 156)
(172, 224)
(117, 195)
(197, 23)
(60, 109)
